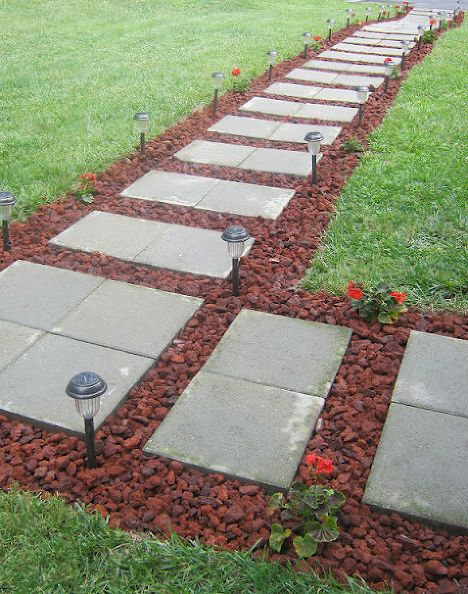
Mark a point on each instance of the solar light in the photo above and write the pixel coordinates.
(271, 62)
(381, 10)
(235, 237)
(405, 49)
(86, 389)
(142, 125)
(349, 12)
(362, 93)
(218, 78)
(421, 30)
(7, 202)
(313, 140)
(307, 39)
(441, 19)
(389, 6)
(388, 65)
(368, 10)
(330, 23)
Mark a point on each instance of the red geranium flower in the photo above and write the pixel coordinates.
(432, 21)
(310, 459)
(354, 292)
(400, 297)
(362, 23)
(316, 38)
(322, 465)
(388, 60)
(236, 71)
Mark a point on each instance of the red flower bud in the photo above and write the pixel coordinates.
(236, 71)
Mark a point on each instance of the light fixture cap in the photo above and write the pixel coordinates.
(235, 234)
(307, 35)
(86, 385)
(141, 116)
(7, 199)
(330, 22)
(313, 137)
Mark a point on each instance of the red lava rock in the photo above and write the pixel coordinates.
(435, 568)
(234, 514)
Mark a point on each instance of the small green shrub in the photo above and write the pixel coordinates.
(352, 145)
(429, 36)
(378, 303)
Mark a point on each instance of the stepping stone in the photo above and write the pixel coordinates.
(365, 49)
(250, 127)
(418, 468)
(14, 340)
(434, 374)
(174, 247)
(171, 188)
(214, 153)
(349, 57)
(306, 354)
(384, 36)
(387, 28)
(312, 111)
(356, 80)
(270, 106)
(257, 159)
(343, 95)
(242, 429)
(129, 318)
(297, 132)
(41, 296)
(250, 200)
(33, 386)
(376, 42)
(312, 76)
(344, 67)
(291, 90)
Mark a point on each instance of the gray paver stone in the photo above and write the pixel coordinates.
(214, 153)
(350, 57)
(270, 106)
(312, 75)
(14, 340)
(330, 113)
(279, 161)
(297, 132)
(251, 127)
(292, 90)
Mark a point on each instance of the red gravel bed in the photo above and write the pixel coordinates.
(154, 494)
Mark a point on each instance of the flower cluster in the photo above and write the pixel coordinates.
(240, 84)
(321, 465)
(316, 44)
(236, 71)
(86, 189)
(378, 303)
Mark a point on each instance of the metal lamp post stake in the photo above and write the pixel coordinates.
(271, 62)
(420, 34)
(218, 78)
(313, 140)
(330, 23)
(362, 94)
(142, 120)
(307, 38)
(235, 237)
(368, 10)
(7, 202)
(349, 12)
(86, 389)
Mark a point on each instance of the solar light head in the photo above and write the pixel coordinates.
(218, 78)
(7, 202)
(388, 65)
(362, 93)
(307, 37)
(349, 11)
(86, 389)
(313, 139)
(141, 120)
(272, 57)
(235, 237)
(405, 47)
(421, 30)
(330, 23)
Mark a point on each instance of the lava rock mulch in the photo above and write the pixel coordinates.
(157, 494)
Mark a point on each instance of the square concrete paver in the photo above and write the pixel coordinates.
(297, 132)
(214, 153)
(116, 235)
(40, 296)
(239, 428)
(348, 47)
(270, 106)
(251, 200)
(327, 113)
(251, 127)
(362, 40)
(355, 80)
(288, 353)
(14, 340)
(345, 67)
(129, 318)
(291, 90)
(434, 374)
(340, 95)
(172, 188)
(312, 75)
(420, 467)
(361, 57)
(279, 161)
(33, 387)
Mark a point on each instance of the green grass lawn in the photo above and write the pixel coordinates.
(73, 74)
(47, 547)
(402, 217)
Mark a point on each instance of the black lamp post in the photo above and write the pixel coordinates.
(381, 10)
(142, 120)
(218, 78)
(235, 237)
(421, 30)
(389, 6)
(271, 62)
(313, 140)
(362, 94)
(7, 202)
(331, 24)
(368, 11)
(307, 39)
(349, 12)
(388, 65)
(405, 49)
(86, 389)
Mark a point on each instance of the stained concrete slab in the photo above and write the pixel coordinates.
(250, 200)
(214, 153)
(434, 374)
(345, 67)
(306, 354)
(242, 429)
(130, 318)
(395, 36)
(14, 340)
(292, 90)
(171, 188)
(40, 296)
(317, 76)
(175, 247)
(297, 132)
(365, 49)
(376, 42)
(420, 467)
(339, 95)
(33, 386)
(251, 127)
(270, 106)
(279, 161)
(327, 113)
(352, 57)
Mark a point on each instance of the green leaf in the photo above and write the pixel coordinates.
(87, 198)
(276, 502)
(305, 546)
(277, 537)
(336, 500)
(325, 531)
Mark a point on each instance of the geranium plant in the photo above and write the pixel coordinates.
(316, 44)
(240, 84)
(86, 189)
(308, 514)
(377, 303)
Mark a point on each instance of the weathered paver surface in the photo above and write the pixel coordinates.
(276, 107)
(250, 127)
(175, 247)
(354, 57)
(385, 36)
(345, 67)
(214, 153)
(420, 468)
(311, 111)
(292, 90)
(297, 132)
(14, 340)
(376, 42)
(365, 49)
(335, 78)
